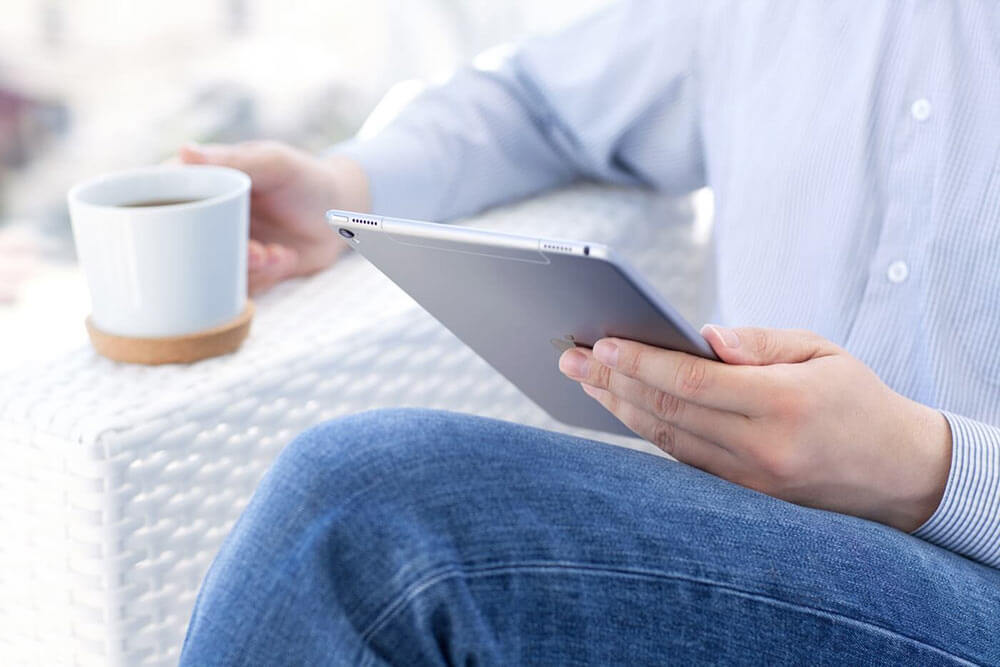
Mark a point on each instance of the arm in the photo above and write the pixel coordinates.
(611, 98)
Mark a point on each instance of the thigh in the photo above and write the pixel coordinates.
(442, 538)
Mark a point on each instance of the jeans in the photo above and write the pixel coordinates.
(427, 538)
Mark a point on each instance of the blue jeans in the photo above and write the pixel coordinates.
(412, 537)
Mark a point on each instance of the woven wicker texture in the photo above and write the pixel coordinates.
(120, 482)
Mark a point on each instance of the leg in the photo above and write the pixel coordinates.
(420, 537)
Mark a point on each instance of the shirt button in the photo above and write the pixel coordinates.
(921, 109)
(898, 271)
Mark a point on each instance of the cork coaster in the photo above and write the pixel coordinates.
(185, 349)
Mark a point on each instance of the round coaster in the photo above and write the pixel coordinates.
(185, 349)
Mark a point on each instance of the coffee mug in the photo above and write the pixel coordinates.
(163, 249)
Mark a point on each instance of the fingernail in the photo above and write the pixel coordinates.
(728, 337)
(606, 353)
(574, 364)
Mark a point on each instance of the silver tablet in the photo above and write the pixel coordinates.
(519, 302)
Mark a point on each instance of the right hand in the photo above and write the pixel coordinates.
(291, 192)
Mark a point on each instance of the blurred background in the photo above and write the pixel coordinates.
(88, 86)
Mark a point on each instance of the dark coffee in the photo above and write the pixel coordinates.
(159, 202)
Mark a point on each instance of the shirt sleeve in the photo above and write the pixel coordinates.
(968, 519)
(612, 98)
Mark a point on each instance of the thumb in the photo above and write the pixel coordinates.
(754, 346)
(262, 161)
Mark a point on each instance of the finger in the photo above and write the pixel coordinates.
(676, 442)
(281, 259)
(728, 429)
(259, 284)
(760, 347)
(262, 160)
(268, 265)
(711, 384)
(256, 255)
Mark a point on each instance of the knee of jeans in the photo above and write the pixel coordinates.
(363, 445)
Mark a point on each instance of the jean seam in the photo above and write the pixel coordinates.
(458, 571)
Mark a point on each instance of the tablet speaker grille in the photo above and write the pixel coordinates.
(558, 248)
(362, 221)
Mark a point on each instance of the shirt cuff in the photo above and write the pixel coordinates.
(401, 181)
(968, 519)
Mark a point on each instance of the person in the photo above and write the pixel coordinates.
(837, 493)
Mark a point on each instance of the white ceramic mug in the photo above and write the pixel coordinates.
(163, 270)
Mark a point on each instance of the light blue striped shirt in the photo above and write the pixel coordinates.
(854, 152)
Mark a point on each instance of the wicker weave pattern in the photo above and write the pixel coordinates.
(120, 482)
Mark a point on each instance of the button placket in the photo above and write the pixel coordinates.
(891, 288)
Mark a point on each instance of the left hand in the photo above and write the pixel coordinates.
(789, 414)
(291, 191)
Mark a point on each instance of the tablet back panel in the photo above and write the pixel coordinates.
(518, 302)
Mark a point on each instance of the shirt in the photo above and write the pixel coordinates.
(853, 149)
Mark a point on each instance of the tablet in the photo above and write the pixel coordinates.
(519, 301)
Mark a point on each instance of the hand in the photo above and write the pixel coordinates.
(789, 414)
(291, 192)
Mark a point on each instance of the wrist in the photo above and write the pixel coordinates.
(930, 452)
(350, 186)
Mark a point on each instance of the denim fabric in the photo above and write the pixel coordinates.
(426, 538)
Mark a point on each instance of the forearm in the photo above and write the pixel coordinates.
(577, 104)
(459, 148)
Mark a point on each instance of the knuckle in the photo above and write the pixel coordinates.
(665, 437)
(760, 342)
(601, 376)
(630, 360)
(666, 406)
(690, 377)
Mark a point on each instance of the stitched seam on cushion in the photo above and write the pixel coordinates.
(448, 572)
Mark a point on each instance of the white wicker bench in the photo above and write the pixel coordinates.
(118, 483)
